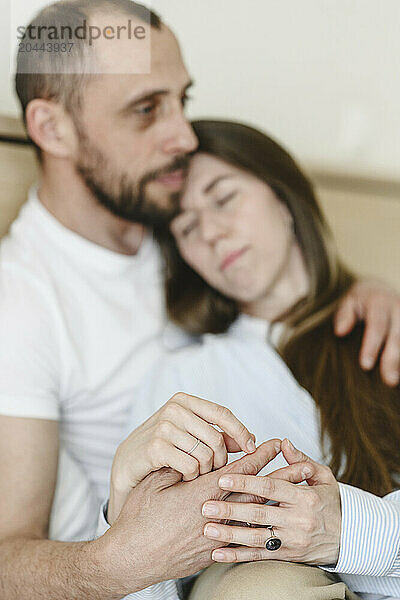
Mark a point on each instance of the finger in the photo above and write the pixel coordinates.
(346, 316)
(203, 454)
(200, 429)
(184, 441)
(376, 331)
(245, 536)
(250, 464)
(322, 474)
(390, 359)
(243, 498)
(277, 490)
(256, 514)
(244, 554)
(233, 446)
(293, 455)
(164, 454)
(220, 416)
(230, 443)
(295, 473)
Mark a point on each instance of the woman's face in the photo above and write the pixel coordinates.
(233, 230)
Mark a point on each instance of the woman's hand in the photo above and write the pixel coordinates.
(307, 519)
(180, 435)
(379, 306)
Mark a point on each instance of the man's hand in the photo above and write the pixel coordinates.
(307, 518)
(159, 532)
(180, 435)
(379, 306)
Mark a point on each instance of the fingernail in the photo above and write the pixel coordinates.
(289, 443)
(277, 447)
(306, 473)
(211, 531)
(393, 378)
(225, 482)
(217, 555)
(367, 362)
(209, 510)
(251, 447)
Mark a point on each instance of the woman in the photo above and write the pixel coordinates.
(292, 277)
(253, 259)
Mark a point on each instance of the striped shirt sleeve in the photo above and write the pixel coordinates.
(165, 590)
(370, 536)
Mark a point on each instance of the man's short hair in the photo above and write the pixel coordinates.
(61, 76)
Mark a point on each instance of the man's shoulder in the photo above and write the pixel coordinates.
(20, 263)
(25, 278)
(23, 250)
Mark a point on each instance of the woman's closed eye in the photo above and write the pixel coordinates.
(226, 199)
(189, 228)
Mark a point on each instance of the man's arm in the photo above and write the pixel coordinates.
(42, 569)
(31, 566)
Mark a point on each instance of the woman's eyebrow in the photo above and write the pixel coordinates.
(211, 185)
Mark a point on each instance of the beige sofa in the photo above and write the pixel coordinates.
(18, 169)
(364, 214)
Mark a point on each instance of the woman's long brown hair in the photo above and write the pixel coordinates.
(360, 415)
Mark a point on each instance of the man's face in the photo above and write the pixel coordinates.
(133, 137)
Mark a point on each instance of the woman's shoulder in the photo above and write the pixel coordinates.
(198, 360)
(191, 367)
(242, 372)
(241, 352)
(182, 349)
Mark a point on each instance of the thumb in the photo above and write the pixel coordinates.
(251, 464)
(321, 474)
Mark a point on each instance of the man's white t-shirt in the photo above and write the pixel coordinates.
(80, 326)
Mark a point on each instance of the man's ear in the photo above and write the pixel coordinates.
(51, 128)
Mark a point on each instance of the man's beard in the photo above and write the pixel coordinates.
(121, 196)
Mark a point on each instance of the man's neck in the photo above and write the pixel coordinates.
(67, 198)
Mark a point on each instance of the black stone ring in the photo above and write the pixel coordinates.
(272, 543)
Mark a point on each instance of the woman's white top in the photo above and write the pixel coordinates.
(242, 370)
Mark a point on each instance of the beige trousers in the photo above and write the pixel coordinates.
(268, 580)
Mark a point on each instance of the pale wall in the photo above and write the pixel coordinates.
(321, 75)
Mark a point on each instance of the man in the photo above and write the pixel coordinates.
(81, 310)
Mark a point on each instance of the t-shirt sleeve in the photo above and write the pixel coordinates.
(29, 353)
(75, 504)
